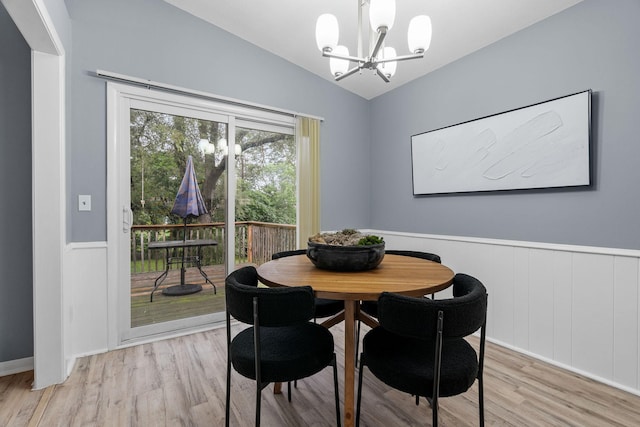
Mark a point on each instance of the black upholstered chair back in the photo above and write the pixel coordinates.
(288, 253)
(415, 254)
(323, 307)
(276, 306)
(463, 314)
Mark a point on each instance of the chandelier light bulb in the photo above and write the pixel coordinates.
(205, 146)
(339, 66)
(419, 34)
(389, 68)
(327, 32)
(223, 147)
(382, 13)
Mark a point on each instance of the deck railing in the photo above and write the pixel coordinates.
(255, 242)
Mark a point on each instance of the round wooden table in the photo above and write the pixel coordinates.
(400, 274)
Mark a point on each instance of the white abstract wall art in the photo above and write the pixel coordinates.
(543, 145)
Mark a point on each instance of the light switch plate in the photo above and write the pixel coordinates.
(84, 202)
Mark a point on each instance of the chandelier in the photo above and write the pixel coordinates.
(381, 59)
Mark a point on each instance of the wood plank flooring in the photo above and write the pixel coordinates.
(181, 382)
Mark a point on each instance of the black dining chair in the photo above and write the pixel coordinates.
(420, 346)
(371, 307)
(282, 345)
(323, 307)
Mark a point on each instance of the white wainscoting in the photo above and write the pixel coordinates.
(85, 301)
(573, 306)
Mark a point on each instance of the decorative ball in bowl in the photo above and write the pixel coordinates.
(347, 250)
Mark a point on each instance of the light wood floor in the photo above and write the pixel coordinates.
(181, 382)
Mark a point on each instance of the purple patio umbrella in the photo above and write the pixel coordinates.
(188, 203)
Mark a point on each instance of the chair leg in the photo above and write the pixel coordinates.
(359, 391)
(434, 411)
(258, 399)
(226, 409)
(481, 401)
(289, 390)
(335, 389)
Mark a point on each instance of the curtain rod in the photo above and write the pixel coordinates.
(150, 84)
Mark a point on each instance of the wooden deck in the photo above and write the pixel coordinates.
(165, 308)
(142, 283)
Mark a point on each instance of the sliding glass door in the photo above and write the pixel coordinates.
(161, 144)
(266, 196)
(171, 267)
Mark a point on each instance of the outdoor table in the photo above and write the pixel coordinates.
(400, 274)
(182, 288)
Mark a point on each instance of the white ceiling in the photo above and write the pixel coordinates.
(287, 29)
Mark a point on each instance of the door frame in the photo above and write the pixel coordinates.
(120, 98)
(51, 357)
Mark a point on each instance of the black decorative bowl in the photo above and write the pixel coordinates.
(345, 258)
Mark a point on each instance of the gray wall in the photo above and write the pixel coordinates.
(153, 40)
(16, 282)
(593, 45)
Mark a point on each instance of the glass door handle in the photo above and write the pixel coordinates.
(127, 219)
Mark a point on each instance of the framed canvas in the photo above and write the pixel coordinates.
(544, 145)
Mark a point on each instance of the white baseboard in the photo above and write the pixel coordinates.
(16, 366)
(566, 367)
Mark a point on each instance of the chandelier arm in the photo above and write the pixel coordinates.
(382, 33)
(347, 57)
(348, 73)
(400, 58)
(381, 74)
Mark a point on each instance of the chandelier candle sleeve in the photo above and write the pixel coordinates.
(327, 32)
(382, 13)
(388, 68)
(339, 66)
(419, 34)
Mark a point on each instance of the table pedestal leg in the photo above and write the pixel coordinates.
(349, 362)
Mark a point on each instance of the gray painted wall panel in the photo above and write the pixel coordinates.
(16, 282)
(590, 45)
(153, 40)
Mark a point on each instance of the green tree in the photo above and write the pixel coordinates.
(160, 145)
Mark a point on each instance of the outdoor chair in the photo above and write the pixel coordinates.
(420, 347)
(282, 345)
